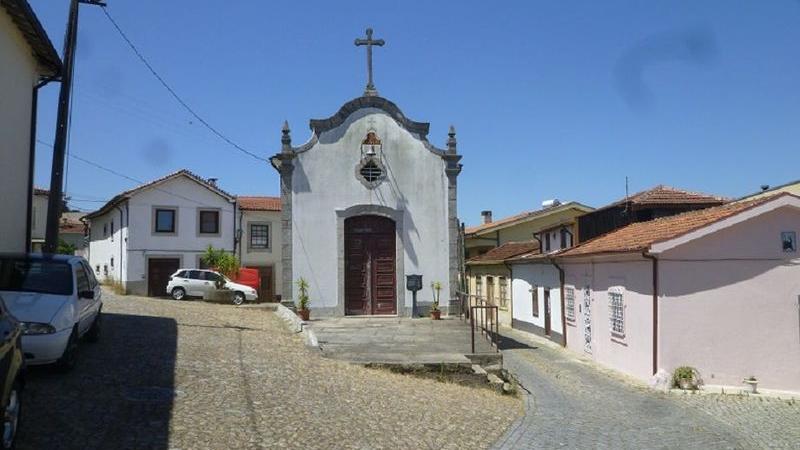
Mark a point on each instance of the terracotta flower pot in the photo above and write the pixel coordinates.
(436, 315)
(304, 314)
(752, 386)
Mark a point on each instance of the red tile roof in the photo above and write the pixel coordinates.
(256, 203)
(505, 251)
(523, 216)
(640, 236)
(668, 195)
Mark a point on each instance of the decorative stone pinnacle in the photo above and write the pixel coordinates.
(451, 140)
(286, 137)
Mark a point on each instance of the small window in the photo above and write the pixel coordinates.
(535, 301)
(105, 269)
(112, 261)
(165, 221)
(564, 238)
(547, 242)
(209, 222)
(479, 286)
(97, 268)
(569, 299)
(112, 229)
(503, 284)
(371, 172)
(105, 229)
(259, 236)
(616, 313)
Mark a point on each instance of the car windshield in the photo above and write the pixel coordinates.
(34, 275)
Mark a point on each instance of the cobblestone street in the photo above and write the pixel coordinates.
(186, 375)
(575, 405)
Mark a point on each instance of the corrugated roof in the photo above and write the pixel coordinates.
(28, 24)
(641, 235)
(505, 251)
(259, 203)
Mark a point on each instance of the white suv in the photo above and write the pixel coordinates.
(207, 284)
(57, 299)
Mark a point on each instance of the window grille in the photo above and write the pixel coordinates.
(259, 236)
(616, 312)
(503, 283)
(371, 172)
(569, 297)
(535, 301)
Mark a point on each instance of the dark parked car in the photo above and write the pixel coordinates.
(12, 364)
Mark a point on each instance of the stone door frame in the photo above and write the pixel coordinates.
(371, 210)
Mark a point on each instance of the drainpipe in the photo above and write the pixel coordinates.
(561, 292)
(238, 236)
(655, 308)
(32, 158)
(121, 264)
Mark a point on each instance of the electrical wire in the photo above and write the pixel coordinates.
(175, 94)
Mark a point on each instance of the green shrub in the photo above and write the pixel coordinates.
(302, 297)
(685, 373)
(221, 261)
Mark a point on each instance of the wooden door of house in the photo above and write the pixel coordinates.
(265, 292)
(158, 272)
(547, 312)
(370, 266)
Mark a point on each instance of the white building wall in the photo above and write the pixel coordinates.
(324, 181)
(188, 197)
(259, 257)
(17, 79)
(542, 276)
(38, 220)
(107, 254)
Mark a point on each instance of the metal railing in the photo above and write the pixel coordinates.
(482, 319)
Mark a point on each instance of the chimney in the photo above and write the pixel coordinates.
(213, 181)
(487, 216)
(764, 187)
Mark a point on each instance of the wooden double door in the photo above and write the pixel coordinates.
(370, 285)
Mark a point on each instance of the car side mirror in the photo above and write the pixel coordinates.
(86, 294)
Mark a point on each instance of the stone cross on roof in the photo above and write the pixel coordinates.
(369, 42)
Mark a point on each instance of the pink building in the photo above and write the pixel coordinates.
(717, 289)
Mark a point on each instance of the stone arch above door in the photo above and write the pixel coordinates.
(370, 210)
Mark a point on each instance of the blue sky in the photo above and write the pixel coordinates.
(550, 99)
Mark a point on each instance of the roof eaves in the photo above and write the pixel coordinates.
(28, 24)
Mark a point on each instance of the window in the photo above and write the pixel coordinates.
(105, 229)
(259, 236)
(563, 238)
(547, 241)
(569, 299)
(490, 290)
(105, 269)
(165, 220)
(82, 279)
(181, 274)
(97, 268)
(535, 301)
(112, 230)
(479, 286)
(112, 261)
(503, 284)
(616, 312)
(371, 172)
(209, 222)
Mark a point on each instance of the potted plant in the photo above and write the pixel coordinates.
(302, 299)
(436, 313)
(752, 384)
(686, 378)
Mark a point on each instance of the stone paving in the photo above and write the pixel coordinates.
(189, 375)
(574, 405)
(398, 340)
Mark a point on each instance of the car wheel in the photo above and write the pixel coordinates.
(13, 413)
(93, 335)
(69, 357)
(238, 298)
(178, 293)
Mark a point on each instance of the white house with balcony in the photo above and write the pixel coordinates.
(28, 61)
(143, 235)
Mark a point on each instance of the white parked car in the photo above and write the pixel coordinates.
(206, 284)
(58, 301)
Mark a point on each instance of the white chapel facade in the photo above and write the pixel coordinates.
(365, 202)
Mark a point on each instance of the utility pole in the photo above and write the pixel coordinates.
(55, 200)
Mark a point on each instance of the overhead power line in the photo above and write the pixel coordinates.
(120, 174)
(175, 94)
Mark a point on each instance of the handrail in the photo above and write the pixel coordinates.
(486, 324)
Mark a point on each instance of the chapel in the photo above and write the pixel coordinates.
(366, 201)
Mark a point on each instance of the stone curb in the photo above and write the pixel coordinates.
(734, 390)
(297, 325)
